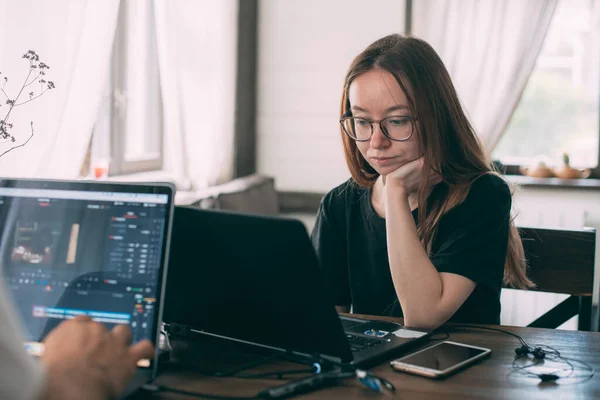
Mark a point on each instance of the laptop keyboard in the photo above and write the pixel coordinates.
(359, 343)
(356, 342)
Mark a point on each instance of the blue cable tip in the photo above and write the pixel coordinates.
(317, 367)
(371, 383)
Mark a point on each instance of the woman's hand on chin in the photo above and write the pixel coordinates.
(408, 178)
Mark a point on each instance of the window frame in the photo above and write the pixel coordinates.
(118, 119)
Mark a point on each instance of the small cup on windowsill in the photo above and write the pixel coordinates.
(99, 168)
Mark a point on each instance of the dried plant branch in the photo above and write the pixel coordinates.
(38, 69)
(32, 98)
(22, 144)
(32, 80)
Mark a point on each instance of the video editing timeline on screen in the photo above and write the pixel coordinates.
(66, 257)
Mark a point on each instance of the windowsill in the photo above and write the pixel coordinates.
(148, 176)
(554, 183)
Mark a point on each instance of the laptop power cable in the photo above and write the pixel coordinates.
(325, 379)
(289, 389)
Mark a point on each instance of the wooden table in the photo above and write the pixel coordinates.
(492, 378)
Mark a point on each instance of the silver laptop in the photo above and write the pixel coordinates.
(98, 249)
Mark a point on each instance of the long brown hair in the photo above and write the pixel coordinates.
(447, 140)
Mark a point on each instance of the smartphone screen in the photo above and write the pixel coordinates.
(440, 359)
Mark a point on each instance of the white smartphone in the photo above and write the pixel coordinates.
(441, 359)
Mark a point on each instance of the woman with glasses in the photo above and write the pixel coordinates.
(423, 228)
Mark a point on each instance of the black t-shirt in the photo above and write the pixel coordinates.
(350, 241)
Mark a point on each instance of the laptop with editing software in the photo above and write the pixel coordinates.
(69, 248)
(256, 280)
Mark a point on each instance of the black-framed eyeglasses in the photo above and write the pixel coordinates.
(397, 128)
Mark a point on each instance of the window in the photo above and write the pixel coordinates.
(128, 132)
(559, 111)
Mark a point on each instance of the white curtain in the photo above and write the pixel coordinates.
(197, 46)
(490, 49)
(74, 37)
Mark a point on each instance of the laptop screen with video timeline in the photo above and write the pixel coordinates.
(94, 252)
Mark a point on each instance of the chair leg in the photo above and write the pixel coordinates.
(585, 313)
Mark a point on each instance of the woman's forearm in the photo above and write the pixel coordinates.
(417, 282)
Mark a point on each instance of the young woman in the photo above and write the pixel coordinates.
(423, 228)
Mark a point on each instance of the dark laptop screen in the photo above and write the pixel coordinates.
(250, 278)
(71, 252)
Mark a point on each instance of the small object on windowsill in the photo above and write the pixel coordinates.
(565, 171)
(538, 170)
(99, 167)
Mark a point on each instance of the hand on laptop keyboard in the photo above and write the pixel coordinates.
(83, 360)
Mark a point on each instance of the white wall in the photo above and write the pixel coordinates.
(305, 48)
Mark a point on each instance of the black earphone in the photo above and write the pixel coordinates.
(539, 354)
(524, 350)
